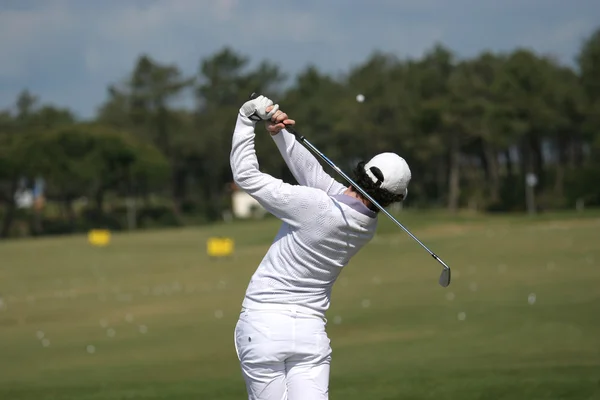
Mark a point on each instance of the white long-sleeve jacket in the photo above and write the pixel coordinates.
(322, 228)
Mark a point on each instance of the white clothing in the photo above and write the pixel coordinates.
(280, 337)
(322, 228)
(284, 355)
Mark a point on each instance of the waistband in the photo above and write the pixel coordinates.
(293, 308)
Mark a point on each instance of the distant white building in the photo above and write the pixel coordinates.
(245, 206)
(24, 198)
(29, 194)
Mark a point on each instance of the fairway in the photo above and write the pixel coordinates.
(152, 317)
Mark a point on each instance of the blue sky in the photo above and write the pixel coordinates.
(68, 51)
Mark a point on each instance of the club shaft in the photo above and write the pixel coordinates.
(310, 146)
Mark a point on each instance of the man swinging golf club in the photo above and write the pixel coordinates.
(280, 337)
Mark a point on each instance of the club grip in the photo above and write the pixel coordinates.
(288, 128)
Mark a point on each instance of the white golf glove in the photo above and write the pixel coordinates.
(256, 109)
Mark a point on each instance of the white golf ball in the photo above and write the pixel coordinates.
(462, 316)
(143, 329)
(360, 98)
(91, 349)
(531, 299)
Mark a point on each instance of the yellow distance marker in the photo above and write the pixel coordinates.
(219, 247)
(99, 237)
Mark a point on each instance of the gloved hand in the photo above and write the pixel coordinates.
(256, 109)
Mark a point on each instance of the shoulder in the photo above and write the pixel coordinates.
(312, 198)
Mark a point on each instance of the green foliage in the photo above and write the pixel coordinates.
(81, 158)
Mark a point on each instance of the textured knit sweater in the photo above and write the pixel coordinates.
(322, 228)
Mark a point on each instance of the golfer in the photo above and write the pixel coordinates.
(280, 337)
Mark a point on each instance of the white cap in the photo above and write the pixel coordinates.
(395, 171)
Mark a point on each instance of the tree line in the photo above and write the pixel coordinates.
(471, 129)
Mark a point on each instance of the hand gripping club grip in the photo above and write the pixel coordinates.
(288, 128)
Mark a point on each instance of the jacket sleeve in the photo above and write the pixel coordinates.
(304, 166)
(291, 203)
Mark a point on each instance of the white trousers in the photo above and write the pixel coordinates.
(284, 355)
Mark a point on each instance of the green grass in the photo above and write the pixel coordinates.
(395, 333)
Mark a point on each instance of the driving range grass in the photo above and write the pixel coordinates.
(152, 317)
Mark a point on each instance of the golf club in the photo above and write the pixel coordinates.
(445, 275)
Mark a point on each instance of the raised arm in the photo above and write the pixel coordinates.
(291, 203)
(303, 164)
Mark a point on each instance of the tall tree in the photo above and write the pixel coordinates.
(144, 104)
(225, 80)
(584, 180)
(477, 107)
(438, 119)
(589, 66)
(30, 117)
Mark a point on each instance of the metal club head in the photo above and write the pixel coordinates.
(445, 277)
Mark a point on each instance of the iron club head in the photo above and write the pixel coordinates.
(445, 277)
